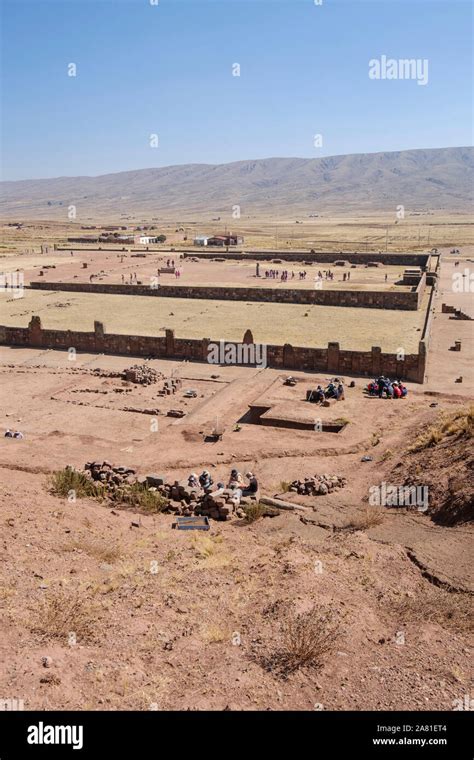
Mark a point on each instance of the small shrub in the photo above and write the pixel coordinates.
(62, 482)
(254, 512)
(284, 486)
(371, 517)
(305, 641)
(63, 613)
(141, 498)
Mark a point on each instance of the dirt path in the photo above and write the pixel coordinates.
(444, 366)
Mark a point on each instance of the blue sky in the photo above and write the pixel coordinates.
(167, 69)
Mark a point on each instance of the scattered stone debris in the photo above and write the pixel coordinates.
(318, 485)
(176, 413)
(141, 374)
(154, 411)
(366, 459)
(170, 386)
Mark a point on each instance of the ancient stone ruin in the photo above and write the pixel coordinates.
(178, 497)
(141, 374)
(317, 485)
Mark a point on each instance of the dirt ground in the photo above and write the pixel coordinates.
(111, 267)
(146, 617)
(377, 231)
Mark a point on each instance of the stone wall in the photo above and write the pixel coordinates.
(404, 300)
(331, 360)
(392, 259)
(420, 290)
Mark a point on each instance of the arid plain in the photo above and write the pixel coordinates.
(168, 619)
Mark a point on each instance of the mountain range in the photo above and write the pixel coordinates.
(432, 179)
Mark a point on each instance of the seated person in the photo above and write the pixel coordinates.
(397, 391)
(8, 434)
(235, 479)
(252, 487)
(389, 389)
(18, 434)
(205, 480)
(193, 481)
(330, 391)
(340, 392)
(404, 390)
(319, 395)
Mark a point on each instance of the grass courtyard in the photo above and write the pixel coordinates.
(275, 323)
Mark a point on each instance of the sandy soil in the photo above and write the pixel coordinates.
(163, 619)
(108, 267)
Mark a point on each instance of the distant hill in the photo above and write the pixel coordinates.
(441, 178)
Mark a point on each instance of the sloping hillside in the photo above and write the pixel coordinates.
(418, 179)
(442, 458)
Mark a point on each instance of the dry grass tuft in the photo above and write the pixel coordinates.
(65, 614)
(459, 423)
(369, 518)
(205, 546)
(449, 610)
(106, 552)
(305, 641)
(216, 634)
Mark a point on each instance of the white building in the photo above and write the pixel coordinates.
(145, 239)
(201, 239)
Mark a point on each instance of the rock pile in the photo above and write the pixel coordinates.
(141, 374)
(318, 485)
(109, 476)
(187, 501)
